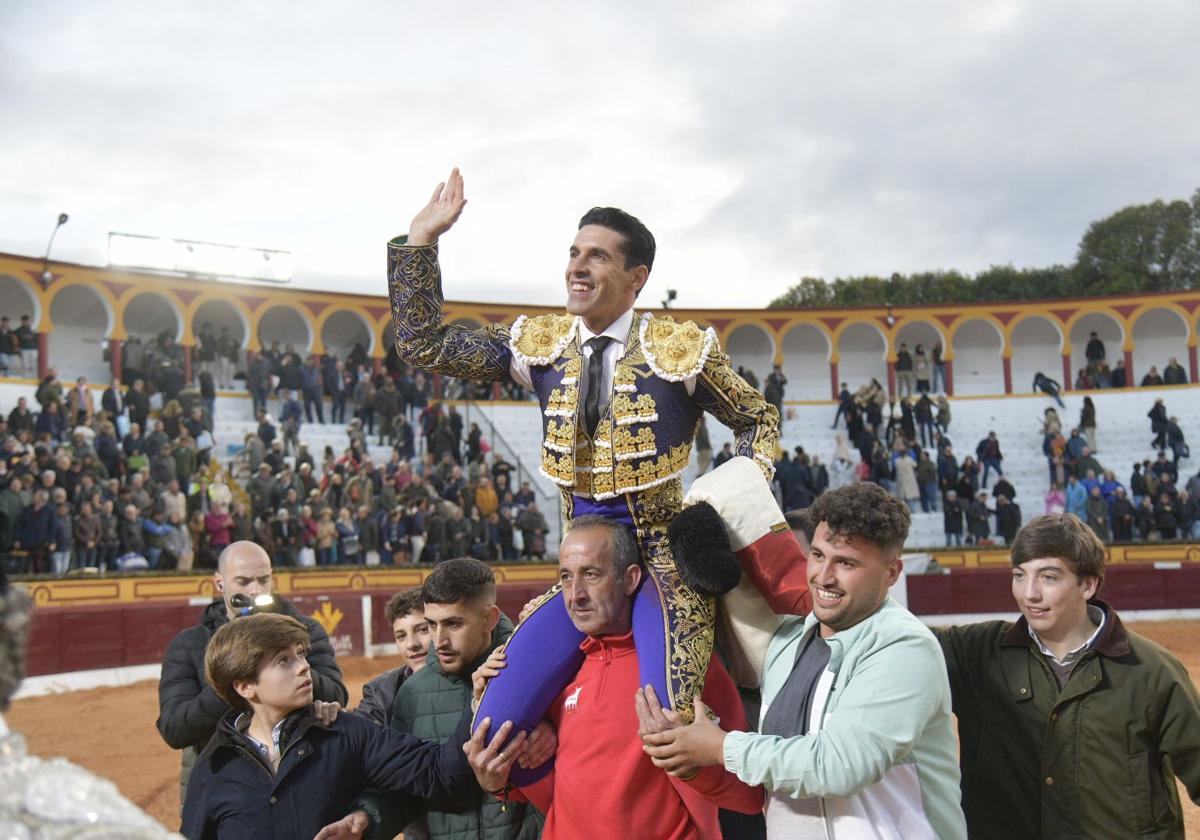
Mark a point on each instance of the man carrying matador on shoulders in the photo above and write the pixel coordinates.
(622, 394)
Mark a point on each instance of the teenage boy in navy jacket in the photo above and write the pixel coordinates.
(273, 769)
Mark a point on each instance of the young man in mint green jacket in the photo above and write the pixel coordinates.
(856, 737)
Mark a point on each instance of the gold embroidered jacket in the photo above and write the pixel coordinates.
(645, 437)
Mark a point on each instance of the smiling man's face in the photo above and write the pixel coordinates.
(1051, 596)
(599, 286)
(848, 579)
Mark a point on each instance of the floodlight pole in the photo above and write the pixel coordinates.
(47, 277)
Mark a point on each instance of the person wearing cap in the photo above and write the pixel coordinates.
(189, 709)
(621, 394)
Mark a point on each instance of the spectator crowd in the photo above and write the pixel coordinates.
(130, 479)
(903, 444)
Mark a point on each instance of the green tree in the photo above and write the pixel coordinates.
(810, 291)
(1141, 248)
(1004, 282)
(861, 291)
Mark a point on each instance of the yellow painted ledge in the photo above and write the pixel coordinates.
(152, 588)
(1118, 555)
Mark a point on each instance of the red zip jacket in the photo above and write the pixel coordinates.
(603, 784)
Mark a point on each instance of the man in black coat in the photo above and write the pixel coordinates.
(952, 518)
(1174, 374)
(1008, 519)
(1121, 511)
(112, 400)
(138, 402)
(845, 406)
(35, 531)
(189, 709)
(20, 419)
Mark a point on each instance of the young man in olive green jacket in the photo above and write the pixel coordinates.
(465, 626)
(1070, 725)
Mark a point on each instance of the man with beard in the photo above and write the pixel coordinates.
(465, 625)
(856, 737)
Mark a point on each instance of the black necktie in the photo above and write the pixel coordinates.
(595, 375)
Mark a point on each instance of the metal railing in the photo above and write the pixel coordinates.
(499, 444)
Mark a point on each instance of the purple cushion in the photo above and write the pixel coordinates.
(650, 638)
(543, 658)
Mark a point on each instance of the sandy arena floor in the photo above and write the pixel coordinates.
(111, 730)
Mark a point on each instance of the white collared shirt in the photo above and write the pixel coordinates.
(1097, 617)
(618, 331)
(272, 752)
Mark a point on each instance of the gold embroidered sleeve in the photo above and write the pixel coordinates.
(423, 340)
(731, 399)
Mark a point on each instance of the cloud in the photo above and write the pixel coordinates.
(784, 140)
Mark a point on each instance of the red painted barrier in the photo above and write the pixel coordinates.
(67, 639)
(989, 590)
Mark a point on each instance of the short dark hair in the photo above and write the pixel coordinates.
(458, 579)
(236, 650)
(620, 539)
(402, 604)
(863, 511)
(801, 520)
(1061, 535)
(637, 241)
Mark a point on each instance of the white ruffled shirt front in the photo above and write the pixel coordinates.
(618, 331)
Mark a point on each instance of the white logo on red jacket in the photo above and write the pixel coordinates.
(572, 701)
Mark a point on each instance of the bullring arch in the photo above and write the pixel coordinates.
(978, 343)
(1037, 344)
(1160, 333)
(807, 349)
(862, 350)
(751, 346)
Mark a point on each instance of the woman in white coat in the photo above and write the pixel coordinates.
(906, 479)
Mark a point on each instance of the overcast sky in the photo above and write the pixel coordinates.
(760, 142)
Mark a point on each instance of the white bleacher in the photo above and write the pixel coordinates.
(1123, 436)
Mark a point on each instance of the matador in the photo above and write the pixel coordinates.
(621, 394)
